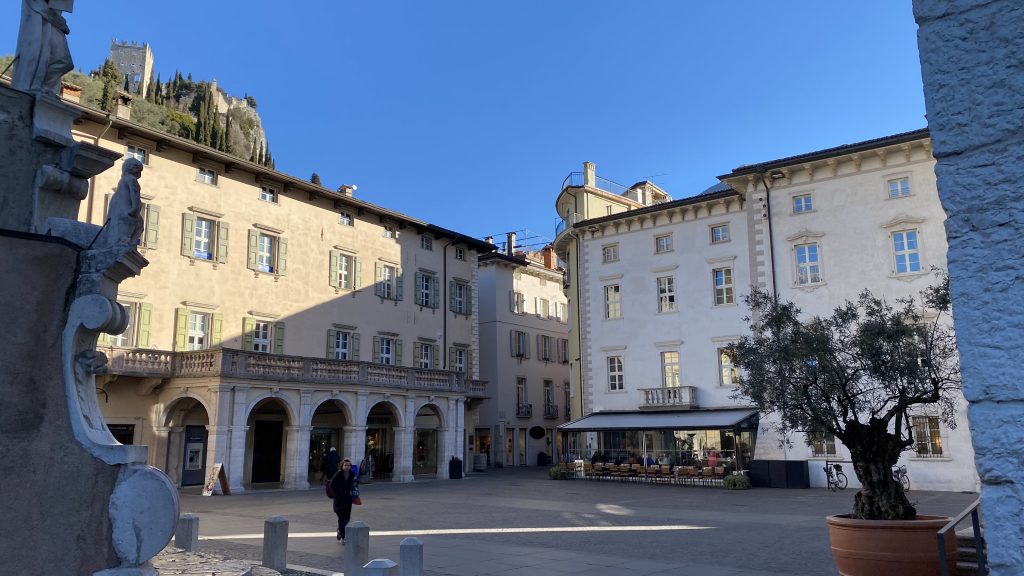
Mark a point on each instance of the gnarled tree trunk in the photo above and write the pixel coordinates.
(874, 451)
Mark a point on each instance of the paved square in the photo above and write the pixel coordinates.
(515, 521)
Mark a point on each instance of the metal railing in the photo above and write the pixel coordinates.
(573, 180)
(565, 223)
(247, 365)
(524, 410)
(979, 545)
(551, 410)
(675, 397)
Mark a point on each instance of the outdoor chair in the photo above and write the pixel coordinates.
(707, 475)
(635, 472)
(588, 470)
(654, 473)
(720, 474)
(666, 472)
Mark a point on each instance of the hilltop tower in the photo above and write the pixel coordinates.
(135, 62)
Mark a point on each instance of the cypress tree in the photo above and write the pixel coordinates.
(315, 179)
(253, 154)
(227, 132)
(111, 80)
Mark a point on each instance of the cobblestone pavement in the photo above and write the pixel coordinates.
(517, 522)
(176, 562)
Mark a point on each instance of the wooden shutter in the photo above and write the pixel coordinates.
(278, 337)
(526, 345)
(397, 351)
(512, 341)
(149, 238)
(222, 242)
(435, 356)
(188, 234)
(511, 301)
(398, 283)
(282, 256)
(180, 329)
(332, 339)
(216, 330)
(451, 358)
(333, 268)
(145, 317)
(254, 237)
(468, 298)
(378, 275)
(451, 295)
(376, 349)
(353, 346)
(416, 290)
(357, 271)
(435, 292)
(469, 363)
(248, 329)
(103, 339)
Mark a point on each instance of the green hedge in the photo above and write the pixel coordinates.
(736, 482)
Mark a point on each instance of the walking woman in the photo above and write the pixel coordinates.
(342, 484)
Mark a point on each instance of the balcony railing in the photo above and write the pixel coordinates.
(246, 365)
(524, 410)
(567, 222)
(551, 410)
(676, 397)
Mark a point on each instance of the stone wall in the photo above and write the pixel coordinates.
(971, 58)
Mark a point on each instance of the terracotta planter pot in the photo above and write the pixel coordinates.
(880, 547)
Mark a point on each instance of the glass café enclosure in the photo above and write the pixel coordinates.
(691, 438)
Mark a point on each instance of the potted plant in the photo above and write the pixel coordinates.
(859, 374)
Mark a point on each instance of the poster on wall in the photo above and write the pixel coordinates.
(217, 474)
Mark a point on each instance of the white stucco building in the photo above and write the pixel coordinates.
(659, 285)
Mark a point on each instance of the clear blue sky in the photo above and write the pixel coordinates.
(468, 114)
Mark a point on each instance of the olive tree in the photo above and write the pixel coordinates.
(858, 374)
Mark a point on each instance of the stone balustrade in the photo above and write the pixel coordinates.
(675, 397)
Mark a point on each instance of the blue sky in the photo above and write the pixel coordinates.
(469, 114)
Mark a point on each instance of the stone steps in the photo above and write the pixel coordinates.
(966, 555)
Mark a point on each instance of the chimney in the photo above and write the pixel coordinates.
(489, 239)
(347, 189)
(70, 92)
(549, 257)
(123, 105)
(589, 174)
(510, 245)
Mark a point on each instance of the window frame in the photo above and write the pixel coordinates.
(386, 343)
(822, 444)
(460, 253)
(612, 305)
(427, 243)
(609, 253)
(908, 256)
(133, 151)
(461, 296)
(666, 294)
(345, 218)
(615, 370)
(670, 373)
(802, 203)
(389, 231)
(210, 239)
(726, 237)
(902, 191)
(427, 289)
(798, 267)
(933, 444)
(730, 367)
(342, 337)
(205, 335)
(267, 338)
(268, 194)
(663, 244)
(207, 176)
(128, 338)
(267, 260)
(724, 292)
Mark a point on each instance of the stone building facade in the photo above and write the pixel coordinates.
(278, 319)
(135, 62)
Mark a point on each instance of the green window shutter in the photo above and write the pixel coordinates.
(145, 317)
(378, 275)
(353, 346)
(188, 234)
(222, 242)
(540, 351)
(376, 349)
(180, 329)
(216, 330)
(248, 328)
(278, 337)
(398, 352)
(357, 281)
(334, 268)
(103, 340)
(416, 290)
(511, 301)
(451, 295)
(435, 357)
(451, 358)
(251, 256)
(332, 338)
(152, 226)
(398, 283)
(282, 256)
(435, 292)
(469, 363)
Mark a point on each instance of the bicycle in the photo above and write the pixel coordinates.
(899, 474)
(836, 478)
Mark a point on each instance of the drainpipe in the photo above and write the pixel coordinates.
(444, 305)
(579, 315)
(771, 242)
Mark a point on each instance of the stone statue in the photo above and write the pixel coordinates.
(124, 223)
(42, 55)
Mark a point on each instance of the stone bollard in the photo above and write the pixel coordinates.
(380, 568)
(275, 543)
(186, 535)
(411, 557)
(357, 548)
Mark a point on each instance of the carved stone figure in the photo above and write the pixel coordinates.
(42, 53)
(124, 223)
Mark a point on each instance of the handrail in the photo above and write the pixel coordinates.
(979, 548)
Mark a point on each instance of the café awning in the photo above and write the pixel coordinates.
(680, 420)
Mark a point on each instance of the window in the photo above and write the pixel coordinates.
(198, 336)
(545, 348)
(460, 253)
(426, 355)
(899, 188)
(427, 291)
(345, 218)
(389, 231)
(342, 345)
(387, 350)
(563, 350)
(517, 302)
(262, 336)
(268, 194)
(139, 154)
(204, 238)
(612, 302)
(615, 375)
(426, 243)
(719, 233)
(544, 308)
(459, 359)
(666, 294)
(808, 268)
(823, 444)
(267, 253)
(802, 203)
(560, 311)
(206, 176)
(610, 253)
(670, 369)
(520, 346)
(523, 408)
(389, 282)
(927, 436)
(461, 297)
(905, 251)
(345, 270)
(126, 338)
(723, 286)
(730, 374)
(663, 244)
(549, 395)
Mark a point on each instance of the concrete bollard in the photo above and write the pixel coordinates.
(410, 557)
(186, 534)
(380, 568)
(275, 543)
(357, 548)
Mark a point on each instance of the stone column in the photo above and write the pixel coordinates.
(296, 475)
(444, 446)
(158, 451)
(403, 454)
(354, 443)
(236, 451)
(459, 429)
(970, 58)
(175, 453)
(217, 441)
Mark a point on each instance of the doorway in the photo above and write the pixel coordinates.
(267, 438)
